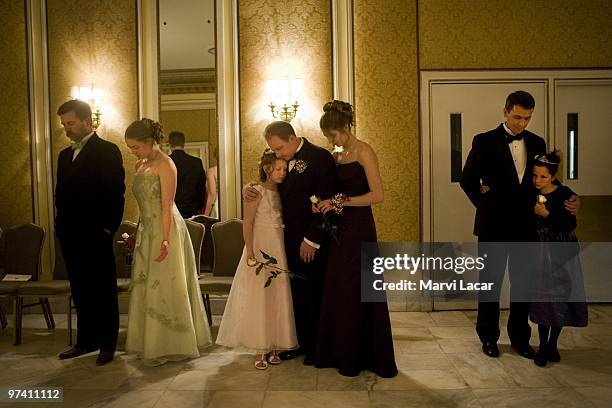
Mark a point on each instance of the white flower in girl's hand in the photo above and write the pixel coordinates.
(541, 199)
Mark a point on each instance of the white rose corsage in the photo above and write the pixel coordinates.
(300, 166)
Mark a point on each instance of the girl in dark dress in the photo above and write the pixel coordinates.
(353, 335)
(559, 285)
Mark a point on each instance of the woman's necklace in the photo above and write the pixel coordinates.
(347, 150)
(150, 159)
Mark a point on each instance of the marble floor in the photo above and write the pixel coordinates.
(438, 357)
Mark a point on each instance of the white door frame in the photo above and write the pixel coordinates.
(429, 78)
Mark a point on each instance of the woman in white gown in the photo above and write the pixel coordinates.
(166, 320)
(259, 318)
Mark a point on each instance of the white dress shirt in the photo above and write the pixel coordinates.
(519, 154)
(83, 142)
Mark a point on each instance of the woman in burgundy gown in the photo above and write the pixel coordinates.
(353, 335)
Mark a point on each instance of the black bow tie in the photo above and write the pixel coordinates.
(510, 138)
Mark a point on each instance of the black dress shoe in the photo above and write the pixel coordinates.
(72, 353)
(490, 349)
(525, 351)
(540, 357)
(289, 354)
(309, 359)
(552, 355)
(105, 357)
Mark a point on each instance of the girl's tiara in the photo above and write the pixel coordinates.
(542, 159)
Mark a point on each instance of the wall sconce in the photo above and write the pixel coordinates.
(284, 95)
(93, 96)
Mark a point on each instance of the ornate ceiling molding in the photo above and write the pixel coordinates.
(181, 81)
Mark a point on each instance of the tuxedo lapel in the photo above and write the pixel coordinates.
(506, 157)
(532, 150)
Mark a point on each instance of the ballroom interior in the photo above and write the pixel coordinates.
(424, 76)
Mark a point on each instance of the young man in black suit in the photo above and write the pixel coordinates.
(497, 180)
(89, 199)
(311, 171)
(190, 177)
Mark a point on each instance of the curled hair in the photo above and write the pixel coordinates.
(144, 129)
(267, 159)
(337, 114)
(550, 160)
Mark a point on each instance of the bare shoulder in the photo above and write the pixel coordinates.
(166, 165)
(365, 152)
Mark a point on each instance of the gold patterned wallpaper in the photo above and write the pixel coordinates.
(16, 175)
(279, 39)
(387, 106)
(456, 34)
(96, 43)
(197, 125)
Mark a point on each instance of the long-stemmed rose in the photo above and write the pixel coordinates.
(270, 264)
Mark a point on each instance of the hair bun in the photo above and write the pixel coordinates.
(344, 108)
(157, 131)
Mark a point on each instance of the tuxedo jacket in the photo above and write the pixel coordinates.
(190, 183)
(505, 212)
(89, 193)
(313, 174)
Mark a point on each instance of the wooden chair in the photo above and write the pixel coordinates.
(23, 257)
(228, 244)
(58, 288)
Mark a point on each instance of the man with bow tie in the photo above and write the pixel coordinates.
(497, 180)
(89, 199)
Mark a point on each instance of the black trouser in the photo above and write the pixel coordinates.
(487, 325)
(307, 294)
(90, 265)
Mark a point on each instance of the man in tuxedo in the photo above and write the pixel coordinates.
(190, 177)
(89, 199)
(497, 178)
(311, 172)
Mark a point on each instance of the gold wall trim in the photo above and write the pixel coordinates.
(181, 102)
(40, 132)
(148, 59)
(228, 111)
(342, 51)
